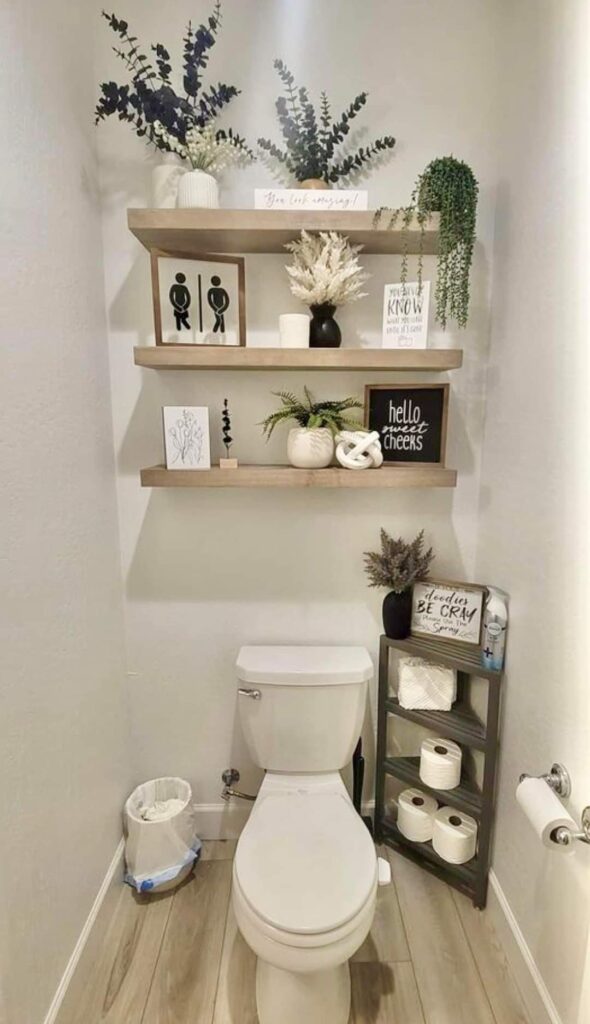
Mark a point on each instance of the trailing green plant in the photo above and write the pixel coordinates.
(448, 187)
(312, 139)
(149, 103)
(399, 563)
(312, 414)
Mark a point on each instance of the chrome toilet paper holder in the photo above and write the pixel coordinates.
(558, 779)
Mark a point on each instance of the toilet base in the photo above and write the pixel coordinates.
(302, 998)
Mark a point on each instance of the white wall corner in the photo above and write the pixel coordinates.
(110, 882)
(534, 992)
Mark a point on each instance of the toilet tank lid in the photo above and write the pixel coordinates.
(304, 665)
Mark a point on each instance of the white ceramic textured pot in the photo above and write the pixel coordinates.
(198, 189)
(165, 179)
(310, 448)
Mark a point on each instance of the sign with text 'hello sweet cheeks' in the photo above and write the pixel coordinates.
(448, 611)
(411, 421)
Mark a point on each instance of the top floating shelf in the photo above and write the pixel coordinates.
(225, 231)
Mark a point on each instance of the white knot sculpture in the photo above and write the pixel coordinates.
(359, 449)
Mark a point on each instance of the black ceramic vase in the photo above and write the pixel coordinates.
(324, 332)
(397, 614)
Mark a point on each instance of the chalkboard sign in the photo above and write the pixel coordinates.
(411, 421)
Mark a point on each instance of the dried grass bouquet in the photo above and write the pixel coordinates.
(398, 564)
(325, 269)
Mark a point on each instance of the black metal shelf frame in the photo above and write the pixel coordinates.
(460, 724)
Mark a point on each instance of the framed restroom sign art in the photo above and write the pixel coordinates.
(447, 611)
(411, 420)
(198, 300)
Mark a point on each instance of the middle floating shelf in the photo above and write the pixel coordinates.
(184, 357)
(287, 476)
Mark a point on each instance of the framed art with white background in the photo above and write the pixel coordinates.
(448, 611)
(405, 315)
(198, 300)
(186, 437)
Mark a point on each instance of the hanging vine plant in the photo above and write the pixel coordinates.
(447, 187)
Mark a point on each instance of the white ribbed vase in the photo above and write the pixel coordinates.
(198, 189)
(310, 448)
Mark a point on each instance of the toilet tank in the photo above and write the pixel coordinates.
(306, 712)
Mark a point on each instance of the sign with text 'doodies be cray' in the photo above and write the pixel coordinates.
(411, 421)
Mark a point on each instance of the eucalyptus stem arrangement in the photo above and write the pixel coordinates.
(313, 138)
(447, 186)
(169, 120)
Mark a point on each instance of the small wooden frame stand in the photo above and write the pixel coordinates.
(228, 463)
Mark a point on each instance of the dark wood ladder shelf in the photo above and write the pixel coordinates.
(464, 726)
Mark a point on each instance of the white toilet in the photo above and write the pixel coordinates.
(305, 870)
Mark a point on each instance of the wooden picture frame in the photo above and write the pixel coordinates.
(203, 257)
(371, 425)
(450, 587)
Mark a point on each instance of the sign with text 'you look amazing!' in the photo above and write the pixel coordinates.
(411, 421)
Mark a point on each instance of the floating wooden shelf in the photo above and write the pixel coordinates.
(226, 231)
(184, 357)
(286, 476)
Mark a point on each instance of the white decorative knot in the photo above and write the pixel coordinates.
(359, 449)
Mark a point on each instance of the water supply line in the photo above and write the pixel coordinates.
(228, 777)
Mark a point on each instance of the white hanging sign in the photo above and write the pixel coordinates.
(405, 315)
(310, 199)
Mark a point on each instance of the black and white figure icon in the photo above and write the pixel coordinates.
(218, 299)
(180, 297)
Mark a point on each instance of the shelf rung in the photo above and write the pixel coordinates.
(465, 797)
(460, 723)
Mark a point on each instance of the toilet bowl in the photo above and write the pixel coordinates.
(305, 869)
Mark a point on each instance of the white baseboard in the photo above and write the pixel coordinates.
(535, 994)
(223, 820)
(113, 877)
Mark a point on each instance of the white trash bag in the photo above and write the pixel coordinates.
(161, 844)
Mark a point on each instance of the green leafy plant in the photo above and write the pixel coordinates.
(398, 564)
(448, 187)
(165, 118)
(312, 139)
(312, 414)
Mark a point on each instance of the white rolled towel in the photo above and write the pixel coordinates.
(440, 763)
(454, 836)
(415, 815)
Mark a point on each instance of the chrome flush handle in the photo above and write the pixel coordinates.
(244, 691)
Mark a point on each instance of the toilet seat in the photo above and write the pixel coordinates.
(305, 865)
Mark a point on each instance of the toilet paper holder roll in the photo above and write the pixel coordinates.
(558, 779)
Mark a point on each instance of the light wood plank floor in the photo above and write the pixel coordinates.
(180, 959)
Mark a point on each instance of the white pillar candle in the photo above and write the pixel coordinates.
(294, 330)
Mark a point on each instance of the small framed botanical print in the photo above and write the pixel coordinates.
(186, 437)
(198, 300)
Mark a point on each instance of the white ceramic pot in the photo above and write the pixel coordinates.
(310, 448)
(165, 179)
(294, 330)
(198, 189)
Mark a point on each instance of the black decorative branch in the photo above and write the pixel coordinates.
(311, 139)
(150, 95)
(226, 429)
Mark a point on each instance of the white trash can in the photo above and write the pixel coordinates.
(161, 844)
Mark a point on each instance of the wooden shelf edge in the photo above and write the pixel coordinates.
(465, 797)
(470, 732)
(287, 476)
(185, 357)
(269, 230)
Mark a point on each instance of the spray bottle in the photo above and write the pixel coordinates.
(495, 624)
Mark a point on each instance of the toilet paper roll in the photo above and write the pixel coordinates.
(454, 835)
(415, 815)
(440, 763)
(545, 811)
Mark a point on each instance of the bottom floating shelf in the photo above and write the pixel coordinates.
(287, 476)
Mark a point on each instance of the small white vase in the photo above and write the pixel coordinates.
(165, 179)
(294, 330)
(310, 447)
(198, 189)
